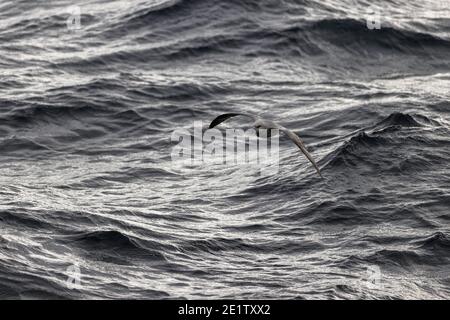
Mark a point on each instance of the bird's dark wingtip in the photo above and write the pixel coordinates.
(215, 122)
(219, 119)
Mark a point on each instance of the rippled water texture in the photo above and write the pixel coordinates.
(87, 180)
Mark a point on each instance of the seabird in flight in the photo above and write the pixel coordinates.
(260, 123)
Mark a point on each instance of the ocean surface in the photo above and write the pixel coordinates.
(93, 206)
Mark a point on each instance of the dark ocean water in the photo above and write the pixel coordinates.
(87, 180)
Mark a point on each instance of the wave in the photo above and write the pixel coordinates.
(163, 9)
(237, 30)
(438, 243)
(432, 250)
(401, 258)
(218, 245)
(125, 175)
(343, 32)
(363, 146)
(23, 146)
(398, 119)
(306, 38)
(23, 219)
(112, 245)
(29, 24)
(39, 113)
(350, 153)
(22, 284)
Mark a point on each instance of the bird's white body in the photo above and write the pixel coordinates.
(265, 124)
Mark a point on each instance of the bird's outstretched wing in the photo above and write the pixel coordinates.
(296, 139)
(226, 116)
